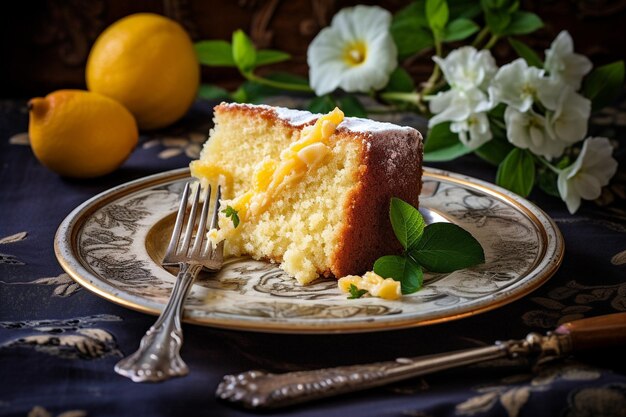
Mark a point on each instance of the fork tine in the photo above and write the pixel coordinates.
(178, 225)
(201, 233)
(216, 208)
(208, 251)
(191, 221)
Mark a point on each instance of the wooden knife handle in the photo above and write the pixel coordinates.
(596, 332)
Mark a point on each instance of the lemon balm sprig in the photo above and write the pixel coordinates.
(438, 247)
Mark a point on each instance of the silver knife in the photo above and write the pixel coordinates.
(261, 390)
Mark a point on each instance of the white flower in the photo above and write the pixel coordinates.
(456, 105)
(565, 65)
(518, 85)
(591, 171)
(568, 123)
(528, 130)
(477, 126)
(356, 52)
(466, 68)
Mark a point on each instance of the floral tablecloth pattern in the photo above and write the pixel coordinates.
(58, 342)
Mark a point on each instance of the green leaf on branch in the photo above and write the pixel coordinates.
(494, 151)
(269, 56)
(443, 145)
(285, 77)
(215, 53)
(547, 181)
(604, 84)
(523, 23)
(464, 8)
(517, 172)
(212, 92)
(244, 51)
(446, 247)
(459, 29)
(407, 223)
(403, 269)
(526, 52)
(400, 81)
(498, 14)
(437, 14)
(411, 39)
(351, 106)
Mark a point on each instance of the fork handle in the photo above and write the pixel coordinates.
(158, 357)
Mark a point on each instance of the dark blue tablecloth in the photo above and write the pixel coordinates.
(59, 342)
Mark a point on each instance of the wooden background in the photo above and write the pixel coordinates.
(45, 43)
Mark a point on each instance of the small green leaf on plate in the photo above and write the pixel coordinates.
(407, 222)
(446, 247)
(355, 292)
(403, 269)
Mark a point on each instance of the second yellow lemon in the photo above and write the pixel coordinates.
(80, 134)
(147, 63)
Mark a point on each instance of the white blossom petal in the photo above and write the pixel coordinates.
(516, 84)
(364, 31)
(565, 65)
(592, 170)
(569, 121)
(466, 68)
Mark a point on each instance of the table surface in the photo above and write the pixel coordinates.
(59, 342)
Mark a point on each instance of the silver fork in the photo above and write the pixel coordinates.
(158, 357)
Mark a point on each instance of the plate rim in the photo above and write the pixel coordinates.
(66, 238)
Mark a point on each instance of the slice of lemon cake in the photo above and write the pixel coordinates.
(306, 190)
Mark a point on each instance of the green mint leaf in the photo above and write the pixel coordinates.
(443, 145)
(269, 56)
(604, 84)
(355, 292)
(526, 52)
(233, 214)
(351, 106)
(496, 149)
(403, 269)
(437, 14)
(215, 53)
(244, 51)
(517, 172)
(322, 104)
(446, 247)
(407, 222)
(523, 23)
(400, 81)
(212, 92)
(460, 29)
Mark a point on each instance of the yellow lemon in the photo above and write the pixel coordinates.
(80, 134)
(147, 63)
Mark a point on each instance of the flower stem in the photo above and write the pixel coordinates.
(413, 98)
(492, 41)
(548, 164)
(480, 37)
(276, 84)
(434, 77)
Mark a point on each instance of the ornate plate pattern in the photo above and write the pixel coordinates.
(111, 245)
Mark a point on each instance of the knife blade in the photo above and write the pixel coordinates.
(262, 390)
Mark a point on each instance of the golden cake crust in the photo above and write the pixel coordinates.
(391, 166)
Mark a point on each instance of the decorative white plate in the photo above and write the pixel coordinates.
(112, 245)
